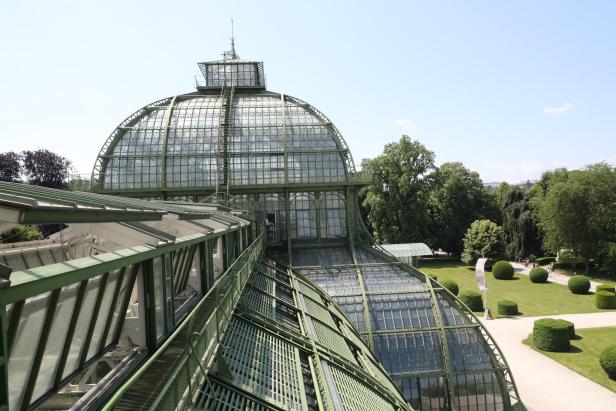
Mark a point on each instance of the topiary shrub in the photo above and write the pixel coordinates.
(607, 359)
(545, 260)
(502, 270)
(452, 286)
(551, 335)
(507, 307)
(538, 275)
(570, 326)
(472, 299)
(605, 300)
(605, 287)
(578, 284)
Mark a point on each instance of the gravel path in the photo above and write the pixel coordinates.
(543, 383)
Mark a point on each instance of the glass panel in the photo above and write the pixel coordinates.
(409, 352)
(24, 346)
(159, 308)
(103, 313)
(119, 311)
(56, 340)
(83, 322)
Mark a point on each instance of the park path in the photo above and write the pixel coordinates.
(543, 383)
(553, 277)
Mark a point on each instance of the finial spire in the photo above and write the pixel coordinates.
(231, 54)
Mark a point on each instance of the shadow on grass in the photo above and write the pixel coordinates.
(572, 350)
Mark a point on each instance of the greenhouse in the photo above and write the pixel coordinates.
(235, 209)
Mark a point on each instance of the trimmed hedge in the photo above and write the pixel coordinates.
(606, 287)
(551, 335)
(605, 300)
(570, 326)
(607, 359)
(545, 260)
(452, 286)
(578, 284)
(502, 270)
(507, 307)
(538, 275)
(472, 299)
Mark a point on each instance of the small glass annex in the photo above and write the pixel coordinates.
(285, 162)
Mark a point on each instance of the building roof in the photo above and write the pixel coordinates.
(407, 249)
(29, 204)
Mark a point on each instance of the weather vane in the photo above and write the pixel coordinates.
(231, 54)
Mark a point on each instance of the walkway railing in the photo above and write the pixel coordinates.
(172, 376)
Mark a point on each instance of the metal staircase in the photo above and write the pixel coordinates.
(224, 134)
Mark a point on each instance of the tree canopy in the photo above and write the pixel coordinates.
(398, 199)
(483, 239)
(457, 199)
(47, 169)
(522, 237)
(578, 212)
(10, 166)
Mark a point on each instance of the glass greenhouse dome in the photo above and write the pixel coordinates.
(284, 161)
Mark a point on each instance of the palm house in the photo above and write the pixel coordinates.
(285, 167)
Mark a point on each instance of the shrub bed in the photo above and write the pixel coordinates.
(452, 286)
(502, 270)
(607, 359)
(606, 287)
(551, 335)
(507, 307)
(605, 300)
(578, 284)
(472, 299)
(538, 275)
(545, 260)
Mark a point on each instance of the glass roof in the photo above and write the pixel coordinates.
(434, 349)
(291, 347)
(223, 135)
(407, 250)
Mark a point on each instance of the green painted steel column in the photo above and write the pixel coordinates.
(4, 359)
(163, 162)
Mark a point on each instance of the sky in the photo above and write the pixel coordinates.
(510, 89)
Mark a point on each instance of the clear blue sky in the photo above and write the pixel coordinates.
(508, 88)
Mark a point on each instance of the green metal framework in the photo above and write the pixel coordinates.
(283, 160)
(60, 318)
(433, 347)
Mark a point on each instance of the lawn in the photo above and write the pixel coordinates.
(533, 299)
(584, 355)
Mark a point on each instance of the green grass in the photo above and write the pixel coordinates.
(533, 299)
(584, 355)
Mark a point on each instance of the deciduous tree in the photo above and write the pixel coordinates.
(44, 168)
(483, 239)
(398, 199)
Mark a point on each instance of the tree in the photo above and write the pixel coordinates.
(44, 168)
(397, 201)
(10, 166)
(483, 239)
(458, 198)
(522, 237)
(578, 212)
